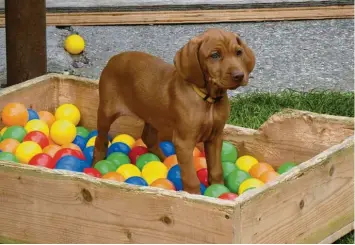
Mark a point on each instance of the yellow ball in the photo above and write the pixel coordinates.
(68, 112)
(249, 183)
(63, 132)
(128, 170)
(3, 131)
(246, 162)
(91, 142)
(124, 138)
(74, 44)
(26, 150)
(154, 170)
(37, 125)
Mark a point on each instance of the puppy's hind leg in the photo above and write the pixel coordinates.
(151, 139)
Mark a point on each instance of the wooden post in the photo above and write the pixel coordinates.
(25, 39)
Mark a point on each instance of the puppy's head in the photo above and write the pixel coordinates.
(217, 57)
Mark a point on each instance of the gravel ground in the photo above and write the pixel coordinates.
(300, 55)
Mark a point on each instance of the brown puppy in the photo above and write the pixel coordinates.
(186, 103)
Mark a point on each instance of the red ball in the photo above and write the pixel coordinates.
(202, 154)
(67, 151)
(38, 137)
(228, 196)
(202, 175)
(136, 152)
(93, 172)
(42, 160)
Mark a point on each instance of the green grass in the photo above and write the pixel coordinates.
(253, 109)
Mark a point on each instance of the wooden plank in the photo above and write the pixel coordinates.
(338, 234)
(307, 204)
(196, 16)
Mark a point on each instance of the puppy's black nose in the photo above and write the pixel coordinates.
(237, 75)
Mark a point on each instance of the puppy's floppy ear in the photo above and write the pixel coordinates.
(187, 62)
(250, 56)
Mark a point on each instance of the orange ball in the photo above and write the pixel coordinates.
(72, 146)
(47, 117)
(199, 163)
(51, 149)
(196, 152)
(258, 169)
(163, 183)
(114, 176)
(14, 114)
(139, 142)
(269, 176)
(9, 145)
(170, 161)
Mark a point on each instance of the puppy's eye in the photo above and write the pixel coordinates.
(239, 52)
(215, 55)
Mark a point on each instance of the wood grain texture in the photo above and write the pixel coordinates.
(338, 234)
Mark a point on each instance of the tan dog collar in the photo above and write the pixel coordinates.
(205, 96)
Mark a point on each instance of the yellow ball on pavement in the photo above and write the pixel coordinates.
(246, 162)
(68, 112)
(63, 132)
(74, 44)
(154, 170)
(128, 170)
(37, 125)
(124, 138)
(91, 142)
(26, 150)
(249, 183)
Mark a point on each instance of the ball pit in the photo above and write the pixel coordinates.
(58, 141)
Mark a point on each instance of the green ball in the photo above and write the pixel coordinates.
(228, 167)
(105, 166)
(235, 178)
(215, 190)
(82, 131)
(144, 159)
(118, 158)
(286, 167)
(229, 152)
(15, 132)
(8, 156)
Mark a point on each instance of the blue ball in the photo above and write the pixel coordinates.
(202, 189)
(89, 153)
(85, 164)
(69, 163)
(167, 148)
(118, 147)
(174, 175)
(32, 114)
(136, 180)
(80, 141)
(95, 133)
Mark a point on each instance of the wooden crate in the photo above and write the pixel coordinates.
(312, 203)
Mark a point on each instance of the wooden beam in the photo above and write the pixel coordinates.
(25, 40)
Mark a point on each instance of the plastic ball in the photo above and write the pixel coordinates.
(154, 170)
(145, 158)
(202, 189)
(89, 153)
(68, 152)
(26, 150)
(249, 183)
(37, 125)
(105, 167)
(199, 163)
(32, 114)
(82, 131)
(93, 172)
(51, 150)
(113, 176)
(80, 141)
(136, 180)
(228, 196)
(228, 167)
(202, 175)
(14, 114)
(15, 132)
(163, 184)
(128, 170)
(63, 132)
(42, 160)
(85, 164)
(167, 148)
(74, 44)
(8, 156)
(72, 146)
(118, 147)
(68, 112)
(235, 178)
(196, 152)
(268, 176)
(174, 175)
(171, 161)
(139, 142)
(95, 133)
(215, 190)
(258, 169)
(46, 117)
(246, 162)
(69, 162)
(9, 145)
(286, 167)
(38, 137)
(3, 131)
(229, 152)
(124, 138)
(118, 158)
(92, 140)
(136, 152)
